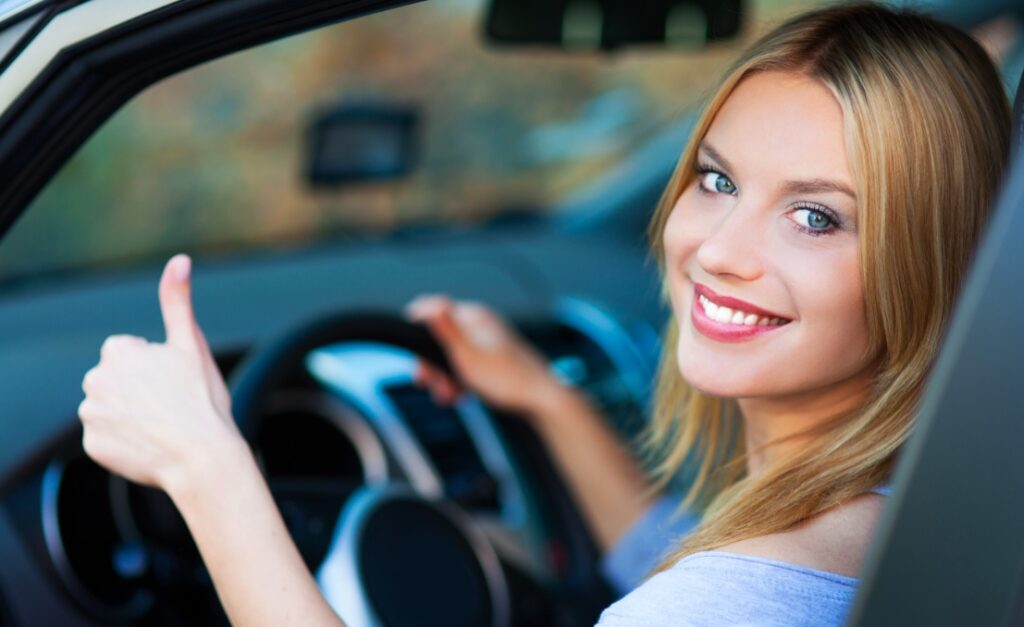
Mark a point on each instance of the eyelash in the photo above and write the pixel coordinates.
(823, 210)
(704, 168)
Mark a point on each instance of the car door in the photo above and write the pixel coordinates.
(950, 548)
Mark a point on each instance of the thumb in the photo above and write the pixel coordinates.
(176, 304)
(182, 329)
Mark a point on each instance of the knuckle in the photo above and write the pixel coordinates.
(89, 444)
(111, 345)
(428, 306)
(482, 312)
(94, 448)
(119, 343)
(90, 382)
(467, 312)
(87, 410)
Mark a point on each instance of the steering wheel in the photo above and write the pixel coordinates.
(580, 591)
(281, 361)
(385, 535)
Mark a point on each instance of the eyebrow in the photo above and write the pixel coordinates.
(714, 154)
(817, 186)
(812, 186)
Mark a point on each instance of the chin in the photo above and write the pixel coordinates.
(715, 386)
(715, 379)
(702, 376)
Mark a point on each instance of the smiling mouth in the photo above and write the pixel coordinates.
(729, 315)
(728, 319)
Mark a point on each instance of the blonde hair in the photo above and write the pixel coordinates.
(927, 127)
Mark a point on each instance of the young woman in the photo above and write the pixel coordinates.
(813, 240)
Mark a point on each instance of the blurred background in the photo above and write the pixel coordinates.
(230, 156)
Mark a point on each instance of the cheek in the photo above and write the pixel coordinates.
(835, 334)
(827, 345)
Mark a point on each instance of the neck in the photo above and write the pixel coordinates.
(770, 419)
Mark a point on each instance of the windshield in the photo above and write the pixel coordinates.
(215, 159)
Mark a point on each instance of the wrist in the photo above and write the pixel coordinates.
(549, 397)
(206, 468)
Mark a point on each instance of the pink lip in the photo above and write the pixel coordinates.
(724, 331)
(733, 303)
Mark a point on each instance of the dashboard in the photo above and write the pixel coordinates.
(352, 416)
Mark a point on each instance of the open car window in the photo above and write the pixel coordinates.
(217, 158)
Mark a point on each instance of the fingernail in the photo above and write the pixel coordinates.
(422, 308)
(182, 268)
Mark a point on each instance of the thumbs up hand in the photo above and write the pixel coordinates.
(153, 410)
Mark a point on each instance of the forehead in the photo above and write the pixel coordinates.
(782, 126)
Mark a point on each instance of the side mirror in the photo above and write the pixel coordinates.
(610, 24)
(363, 142)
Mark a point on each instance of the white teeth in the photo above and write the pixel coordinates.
(710, 309)
(732, 316)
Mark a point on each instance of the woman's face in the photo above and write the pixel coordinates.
(761, 249)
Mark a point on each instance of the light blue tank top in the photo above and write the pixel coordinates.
(715, 587)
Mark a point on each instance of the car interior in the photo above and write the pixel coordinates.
(325, 163)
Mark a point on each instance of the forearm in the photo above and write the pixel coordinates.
(260, 577)
(609, 485)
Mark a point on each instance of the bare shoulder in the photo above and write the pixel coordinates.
(835, 541)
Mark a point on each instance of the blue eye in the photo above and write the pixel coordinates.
(813, 220)
(715, 182)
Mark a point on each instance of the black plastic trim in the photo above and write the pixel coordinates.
(23, 14)
(30, 34)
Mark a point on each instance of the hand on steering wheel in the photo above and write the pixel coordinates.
(488, 357)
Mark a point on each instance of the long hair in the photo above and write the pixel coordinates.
(927, 124)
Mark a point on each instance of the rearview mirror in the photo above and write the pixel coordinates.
(364, 142)
(610, 24)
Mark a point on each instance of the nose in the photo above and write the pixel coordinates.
(732, 248)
